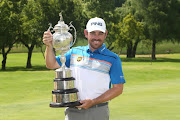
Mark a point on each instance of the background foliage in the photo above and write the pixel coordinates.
(129, 22)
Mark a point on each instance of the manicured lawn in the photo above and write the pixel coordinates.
(151, 91)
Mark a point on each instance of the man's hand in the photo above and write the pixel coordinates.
(48, 38)
(50, 57)
(86, 104)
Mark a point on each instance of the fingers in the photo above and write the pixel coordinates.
(85, 104)
(82, 102)
(81, 106)
(47, 38)
(47, 34)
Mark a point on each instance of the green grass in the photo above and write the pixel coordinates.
(151, 91)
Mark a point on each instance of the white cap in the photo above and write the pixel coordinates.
(96, 24)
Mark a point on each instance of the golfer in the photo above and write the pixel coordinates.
(97, 70)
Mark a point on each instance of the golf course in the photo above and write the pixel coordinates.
(145, 34)
(151, 91)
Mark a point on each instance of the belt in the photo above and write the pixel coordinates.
(95, 106)
(99, 105)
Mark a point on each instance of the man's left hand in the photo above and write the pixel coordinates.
(86, 104)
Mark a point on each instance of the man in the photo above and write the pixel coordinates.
(95, 68)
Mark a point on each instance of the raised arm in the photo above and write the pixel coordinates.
(50, 58)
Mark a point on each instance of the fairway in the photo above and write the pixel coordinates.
(151, 91)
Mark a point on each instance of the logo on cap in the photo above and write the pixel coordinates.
(96, 23)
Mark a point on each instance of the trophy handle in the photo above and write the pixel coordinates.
(50, 27)
(72, 43)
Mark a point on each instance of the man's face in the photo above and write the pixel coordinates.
(95, 39)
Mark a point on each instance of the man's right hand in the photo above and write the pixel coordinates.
(48, 38)
(50, 58)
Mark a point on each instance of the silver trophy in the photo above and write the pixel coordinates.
(64, 93)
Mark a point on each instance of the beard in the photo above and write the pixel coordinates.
(95, 44)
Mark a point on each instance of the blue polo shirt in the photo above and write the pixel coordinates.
(93, 71)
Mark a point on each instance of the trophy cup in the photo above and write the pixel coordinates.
(64, 93)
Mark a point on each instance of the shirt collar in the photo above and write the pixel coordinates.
(100, 50)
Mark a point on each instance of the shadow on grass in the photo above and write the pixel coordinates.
(20, 68)
(138, 59)
(146, 59)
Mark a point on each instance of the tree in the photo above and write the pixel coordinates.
(130, 33)
(173, 28)
(9, 27)
(157, 20)
(160, 18)
(31, 28)
(155, 16)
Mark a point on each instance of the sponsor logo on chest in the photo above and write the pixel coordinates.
(79, 59)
